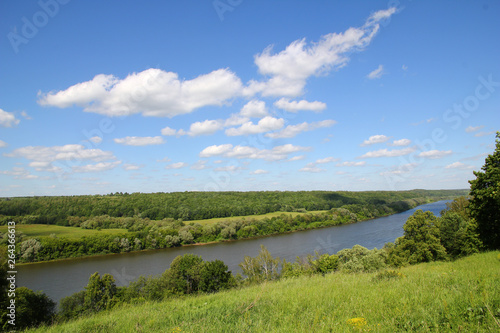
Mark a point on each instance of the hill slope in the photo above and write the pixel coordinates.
(438, 297)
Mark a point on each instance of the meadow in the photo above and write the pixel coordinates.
(458, 296)
(45, 230)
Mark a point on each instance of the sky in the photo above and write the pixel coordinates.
(98, 97)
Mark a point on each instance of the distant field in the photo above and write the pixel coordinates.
(250, 217)
(44, 230)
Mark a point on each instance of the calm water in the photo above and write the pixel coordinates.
(63, 278)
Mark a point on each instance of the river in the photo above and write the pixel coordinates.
(62, 278)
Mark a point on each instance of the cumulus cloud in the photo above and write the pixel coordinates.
(200, 165)
(246, 152)
(266, 124)
(289, 69)
(351, 164)
(7, 119)
(388, 153)
(19, 173)
(59, 158)
(152, 92)
(435, 154)
(458, 165)
(99, 167)
(311, 167)
(3, 144)
(377, 73)
(131, 166)
(177, 165)
(375, 139)
(259, 172)
(254, 109)
(292, 130)
(326, 160)
(96, 139)
(140, 141)
(470, 129)
(302, 105)
(401, 143)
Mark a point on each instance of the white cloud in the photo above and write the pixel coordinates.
(131, 166)
(25, 115)
(266, 124)
(152, 92)
(435, 154)
(19, 173)
(259, 172)
(295, 106)
(292, 130)
(388, 153)
(254, 109)
(296, 158)
(43, 158)
(200, 165)
(458, 165)
(206, 127)
(140, 141)
(479, 134)
(401, 143)
(326, 160)
(311, 167)
(274, 154)
(351, 164)
(99, 167)
(375, 139)
(167, 131)
(7, 119)
(230, 168)
(177, 165)
(473, 128)
(289, 69)
(377, 73)
(3, 144)
(96, 139)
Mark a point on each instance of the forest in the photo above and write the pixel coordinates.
(151, 221)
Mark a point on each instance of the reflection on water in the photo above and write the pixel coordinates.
(63, 278)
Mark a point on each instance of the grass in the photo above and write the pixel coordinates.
(249, 217)
(45, 230)
(460, 296)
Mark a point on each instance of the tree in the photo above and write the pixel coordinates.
(33, 309)
(261, 268)
(99, 292)
(72, 306)
(214, 277)
(420, 242)
(485, 202)
(184, 273)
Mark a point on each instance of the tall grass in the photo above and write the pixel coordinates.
(460, 296)
(46, 230)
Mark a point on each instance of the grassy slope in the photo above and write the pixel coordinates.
(435, 297)
(45, 230)
(250, 217)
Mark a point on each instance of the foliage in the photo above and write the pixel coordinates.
(214, 276)
(33, 308)
(360, 259)
(262, 267)
(485, 201)
(184, 273)
(458, 296)
(420, 242)
(99, 293)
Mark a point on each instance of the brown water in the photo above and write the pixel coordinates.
(62, 278)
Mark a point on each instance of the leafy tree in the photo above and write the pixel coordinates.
(33, 309)
(72, 306)
(360, 259)
(420, 242)
(261, 268)
(99, 292)
(214, 276)
(485, 202)
(184, 273)
(326, 263)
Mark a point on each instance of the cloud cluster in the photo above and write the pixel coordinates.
(246, 152)
(292, 130)
(140, 141)
(7, 119)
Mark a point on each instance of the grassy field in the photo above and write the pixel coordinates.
(250, 217)
(460, 296)
(45, 230)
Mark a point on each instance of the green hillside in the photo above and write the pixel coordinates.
(459, 296)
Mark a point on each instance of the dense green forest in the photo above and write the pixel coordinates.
(198, 205)
(141, 232)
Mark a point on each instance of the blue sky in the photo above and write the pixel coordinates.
(126, 96)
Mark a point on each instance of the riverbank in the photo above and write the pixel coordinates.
(463, 295)
(229, 230)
